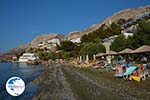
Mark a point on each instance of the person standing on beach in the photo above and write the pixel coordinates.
(46, 66)
(144, 60)
(119, 59)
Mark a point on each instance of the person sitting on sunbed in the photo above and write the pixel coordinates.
(141, 69)
(119, 68)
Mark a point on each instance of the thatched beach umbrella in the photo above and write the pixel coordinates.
(111, 53)
(126, 51)
(142, 49)
(100, 54)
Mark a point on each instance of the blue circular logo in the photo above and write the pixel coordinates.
(15, 86)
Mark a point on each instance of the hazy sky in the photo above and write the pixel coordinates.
(22, 20)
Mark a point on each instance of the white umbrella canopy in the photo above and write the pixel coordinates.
(142, 49)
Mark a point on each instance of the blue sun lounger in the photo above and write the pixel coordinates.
(130, 70)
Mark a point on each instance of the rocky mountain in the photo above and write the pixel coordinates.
(124, 14)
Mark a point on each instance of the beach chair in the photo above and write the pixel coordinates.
(144, 72)
(99, 65)
(141, 73)
(128, 72)
(119, 74)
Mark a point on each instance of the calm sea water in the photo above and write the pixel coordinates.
(27, 72)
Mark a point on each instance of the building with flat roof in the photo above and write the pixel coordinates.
(48, 44)
(76, 40)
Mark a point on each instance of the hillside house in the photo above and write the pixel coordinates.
(48, 44)
(76, 40)
(53, 43)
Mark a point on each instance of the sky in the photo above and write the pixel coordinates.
(23, 20)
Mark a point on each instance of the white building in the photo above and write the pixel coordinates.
(28, 56)
(48, 44)
(76, 40)
(53, 43)
(126, 34)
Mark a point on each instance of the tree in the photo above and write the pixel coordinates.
(121, 21)
(91, 37)
(144, 27)
(142, 34)
(44, 55)
(115, 29)
(58, 55)
(119, 43)
(66, 46)
(66, 55)
(91, 49)
(30, 50)
(76, 51)
(107, 31)
(140, 37)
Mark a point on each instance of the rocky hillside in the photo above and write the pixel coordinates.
(19, 49)
(124, 14)
(44, 37)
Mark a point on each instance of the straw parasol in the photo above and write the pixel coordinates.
(111, 53)
(142, 49)
(126, 51)
(100, 54)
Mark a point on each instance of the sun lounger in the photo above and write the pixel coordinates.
(95, 67)
(130, 70)
(119, 74)
(141, 76)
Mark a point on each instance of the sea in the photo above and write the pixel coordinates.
(27, 72)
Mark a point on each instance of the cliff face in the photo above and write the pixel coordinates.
(124, 14)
